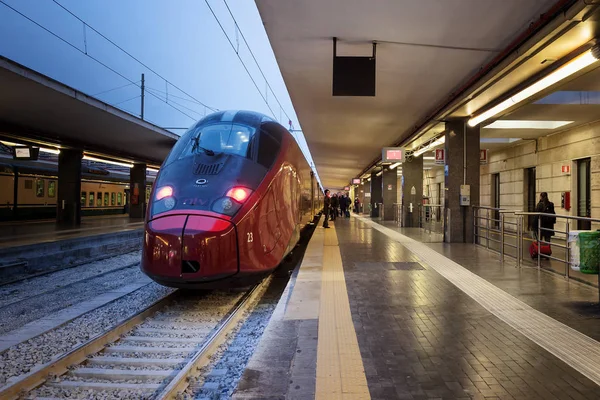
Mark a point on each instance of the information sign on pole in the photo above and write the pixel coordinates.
(356, 181)
(393, 154)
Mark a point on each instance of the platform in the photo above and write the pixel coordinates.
(21, 233)
(375, 314)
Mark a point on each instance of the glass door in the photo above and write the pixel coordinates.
(584, 202)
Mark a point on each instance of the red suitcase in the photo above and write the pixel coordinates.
(543, 248)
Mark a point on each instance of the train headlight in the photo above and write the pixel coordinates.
(163, 192)
(226, 206)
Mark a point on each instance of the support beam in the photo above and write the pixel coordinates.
(390, 192)
(376, 194)
(137, 179)
(68, 200)
(462, 168)
(412, 191)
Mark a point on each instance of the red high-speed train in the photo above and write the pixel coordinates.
(228, 204)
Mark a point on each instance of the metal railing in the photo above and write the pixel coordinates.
(431, 218)
(504, 232)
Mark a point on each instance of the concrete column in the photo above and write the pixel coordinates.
(376, 194)
(68, 200)
(462, 167)
(390, 192)
(367, 200)
(361, 193)
(137, 179)
(412, 191)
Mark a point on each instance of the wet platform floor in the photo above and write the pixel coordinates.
(427, 328)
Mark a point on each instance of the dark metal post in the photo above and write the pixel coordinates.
(143, 90)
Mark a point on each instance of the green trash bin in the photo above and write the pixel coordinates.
(589, 252)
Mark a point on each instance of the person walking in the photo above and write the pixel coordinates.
(343, 205)
(356, 205)
(335, 203)
(545, 206)
(326, 208)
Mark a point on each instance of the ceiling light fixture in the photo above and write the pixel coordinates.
(50, 151)
(121, 164)
(522, 124)
(438, 142)
(577, 64)
(395, 165)
(149, 169)
(379, 173)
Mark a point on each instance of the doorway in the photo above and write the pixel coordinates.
(584, 202)
(530, 199)
(496, 200)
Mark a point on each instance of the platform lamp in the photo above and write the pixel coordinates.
(571, 67)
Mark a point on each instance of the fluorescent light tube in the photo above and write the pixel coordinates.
(395, 165)
(522, 124)
(577, 64)
(121, 164)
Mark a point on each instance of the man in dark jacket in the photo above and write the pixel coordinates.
(545, 206)
(326, 208)
(343, 205)
(335, 203)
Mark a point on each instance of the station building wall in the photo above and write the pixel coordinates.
(553, 152)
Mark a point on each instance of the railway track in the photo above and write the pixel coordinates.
(151, 355)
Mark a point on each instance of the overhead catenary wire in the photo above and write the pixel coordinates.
(116, 88)
(129, 54)
(87, 54)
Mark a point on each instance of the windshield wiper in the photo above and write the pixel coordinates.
(204, 149)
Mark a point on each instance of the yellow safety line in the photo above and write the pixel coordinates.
(340, 371)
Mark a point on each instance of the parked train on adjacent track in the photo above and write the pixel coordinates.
(229, 203)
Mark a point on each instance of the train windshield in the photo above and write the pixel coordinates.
(219, 138)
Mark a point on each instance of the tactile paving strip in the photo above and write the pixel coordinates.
(571, 346)
(340, 371)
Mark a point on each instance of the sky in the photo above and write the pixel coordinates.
(180, 40)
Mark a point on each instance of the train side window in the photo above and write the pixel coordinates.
(91, 199)
(268, 149)
(83, 198)
(105, 198)
(28, 184)
(52, 189)
(112, 199)
(99, 199)
(119, 198)
(39, 188)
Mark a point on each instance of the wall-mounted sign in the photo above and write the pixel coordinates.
(367, 194)
(440, 156)
(565, 169)
(356, 181)
(26, 153)
(483, 156)
(346, 188)
(389, 187)
(392, 154)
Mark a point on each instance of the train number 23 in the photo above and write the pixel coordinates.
(250, 237)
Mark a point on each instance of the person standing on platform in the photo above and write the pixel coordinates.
(547, 223)
(356, 205)
(335, 203)
(343, 205)
(326, 208)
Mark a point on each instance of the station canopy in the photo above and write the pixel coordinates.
(425, 50)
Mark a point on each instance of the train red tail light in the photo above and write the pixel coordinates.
(165, 191)
(239, 194)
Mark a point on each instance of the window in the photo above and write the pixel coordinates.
(268, 149)
(99, 199)
(112, 199)
(83, 198)
(28, 184)
(91, 199)
(119, 198)
(105, 198)
(584, 203)
(39, 188)
(52, 189)
(219, 138)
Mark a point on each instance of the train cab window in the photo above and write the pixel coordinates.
(83, 198)
(99, 199)
(112, 199)
(52, 189)
(91, 199)
(105, 198)
(39, 188)
(28, 184)
(119, 199)
(268, 149)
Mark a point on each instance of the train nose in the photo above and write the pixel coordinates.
(194, 248)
